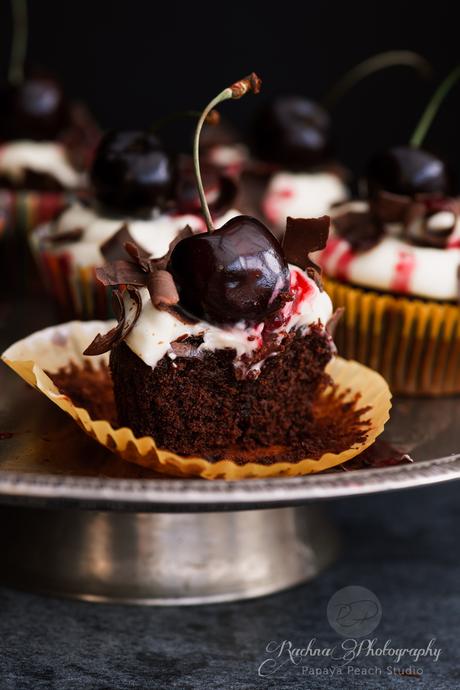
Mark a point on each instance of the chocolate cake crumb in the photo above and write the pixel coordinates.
(89, 387)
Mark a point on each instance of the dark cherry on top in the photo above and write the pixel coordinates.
(236, 273)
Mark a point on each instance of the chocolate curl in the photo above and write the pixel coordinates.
(114, 248)
(128, 306)
(302, 236)
(121, 273)
(139, 255)
(390, 208)
(361, 229)
(73, 235)
(162, 289)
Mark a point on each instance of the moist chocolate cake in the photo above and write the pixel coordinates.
(194, 404)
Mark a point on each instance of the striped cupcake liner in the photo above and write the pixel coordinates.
(413, 343)
(21, 211)
(75, 289)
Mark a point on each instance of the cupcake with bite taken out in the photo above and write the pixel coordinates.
(46, 143)
(138, 197)
(222, 344)
(222, 361)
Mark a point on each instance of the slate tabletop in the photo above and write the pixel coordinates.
(402, 546)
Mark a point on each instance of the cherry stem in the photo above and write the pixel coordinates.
(236, 90)
(212, 119)
(19, 41)
(390, 58)
(432, 108)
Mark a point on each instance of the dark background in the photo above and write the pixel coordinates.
(136, 60)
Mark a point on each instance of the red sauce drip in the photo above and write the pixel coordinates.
(403, 272)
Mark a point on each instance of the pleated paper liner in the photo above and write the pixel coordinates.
(413, 343)
(75, 289)
(60, 347)
(24, 210)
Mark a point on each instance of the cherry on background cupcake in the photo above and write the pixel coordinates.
(393, 259)
(292, 142)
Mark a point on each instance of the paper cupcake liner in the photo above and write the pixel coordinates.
(23, 211)
(413, 343)
(61, 346)
(27, 209)
(75, 289)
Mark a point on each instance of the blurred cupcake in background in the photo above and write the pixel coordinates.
(393, 263)
(141, 195)
(293, 143)
(46, 142)
(292, 137)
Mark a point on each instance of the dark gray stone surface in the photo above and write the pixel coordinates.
(402, 546)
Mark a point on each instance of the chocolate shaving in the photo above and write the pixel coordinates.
(361, 229)
(113, 249)
(73, 235)
(162, 289)
(127, 306)
(364, 229)
(121, 272)
(389, 208)
(302, 236)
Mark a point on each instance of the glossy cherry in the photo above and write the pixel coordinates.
(294, 132)
(132, 171)
(34, 109)
(409, 171)
(236, 273)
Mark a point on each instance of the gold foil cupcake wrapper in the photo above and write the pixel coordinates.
(414, 344)
(61, 346)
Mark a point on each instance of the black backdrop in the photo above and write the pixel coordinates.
(135, 60)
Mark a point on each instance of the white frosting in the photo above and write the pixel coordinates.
(154, 234)
(40, 156)
(155, 330)
(231, 157)
(394, 265)
(301, 195)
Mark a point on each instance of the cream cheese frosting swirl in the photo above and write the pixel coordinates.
(41, 157)
(156, 330)
(153, 234)
(398, 259)
(302, 195)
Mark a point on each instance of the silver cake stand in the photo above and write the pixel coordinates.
(77, 521)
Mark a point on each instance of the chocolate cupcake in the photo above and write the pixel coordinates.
(393, 263)
(45, 145)
(222, 362)
(224, 312)
(138, 197)
(222, 343)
